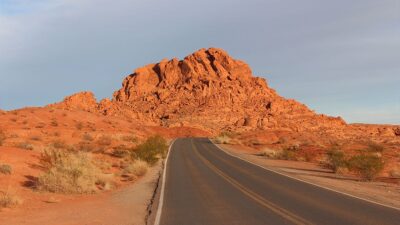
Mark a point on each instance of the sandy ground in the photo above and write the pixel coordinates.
(381, 192)
(126, 206)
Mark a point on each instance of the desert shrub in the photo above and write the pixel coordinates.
(79, 125)
(121, 152)
(228, 134)
(8, 199)
(35, 138)
(40, 125)
(268, 153)
(375, 147)
(59, 144)
(87, 137)
(130, 138)
(336, 159)
(137, 168)
(287, 154)
(5, 169)
(67, 172)
(310, 156)
(24, 145)
(223, 138)
(2, 137)
(366, 165)
(104, 140)
(84, 146)
(54, 123)
(152, 149)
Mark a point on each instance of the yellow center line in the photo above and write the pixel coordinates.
(256, 197)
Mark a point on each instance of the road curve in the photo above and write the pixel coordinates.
(206, 186)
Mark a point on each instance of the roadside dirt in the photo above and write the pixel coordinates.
(125, 206)
(381, 192)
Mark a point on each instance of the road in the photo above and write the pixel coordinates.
(206, 186)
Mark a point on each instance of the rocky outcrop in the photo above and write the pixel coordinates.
(211, 89)
(396, 131)
(85, 101)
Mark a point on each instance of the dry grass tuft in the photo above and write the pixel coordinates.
(87, 137)
(54, 123)
(67, 172)
(104, 140)
(35, 138)
(24, 145)
(5, 169)
(130, 138)
(137, 167)
(9, 198)
(40, 125)
(269, 153)
(121, 152)
(59, 144)
(79, 125)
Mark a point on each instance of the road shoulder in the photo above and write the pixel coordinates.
(382, 193)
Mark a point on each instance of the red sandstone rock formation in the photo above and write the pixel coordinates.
(85, 101)
(212, 91)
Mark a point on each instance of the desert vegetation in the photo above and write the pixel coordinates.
(137, 168)
(5, 169)
(363, 159)
(226, 137)
(8, 198)
(68, 172)
(366, 163)
(151, 150)
(70, 154)
(367, 166)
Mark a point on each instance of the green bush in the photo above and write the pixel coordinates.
(5, 169)
(366, 165)
(151, 150)
(336, 159)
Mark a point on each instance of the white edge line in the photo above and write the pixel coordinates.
(161, 200)
(298, 179)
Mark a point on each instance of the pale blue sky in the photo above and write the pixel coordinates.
(338, 57)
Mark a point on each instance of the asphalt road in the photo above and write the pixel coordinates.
(204, 185)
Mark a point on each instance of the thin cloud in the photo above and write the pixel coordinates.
(333, 56)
